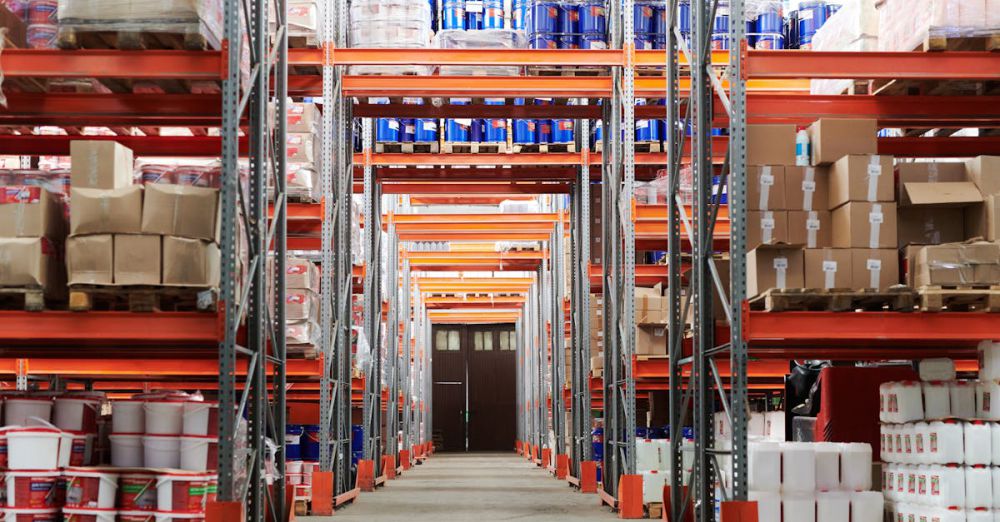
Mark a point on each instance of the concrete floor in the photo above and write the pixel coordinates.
(473, 487)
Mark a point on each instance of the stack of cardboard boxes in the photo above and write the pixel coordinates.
(302, 145)
(32, 235)
(301, 302)
(651, 313)
(126, 234)
(828, 225)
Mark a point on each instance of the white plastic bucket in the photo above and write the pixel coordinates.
(161, 451)
(798, 467)
(32, 489)
(867, 506)
(295, 479)
(946, 442)
(652, 486)
(856, 466)
(963, 399)
(764, 466)
(18, 410)
(647, 455)
(89, 515)
(978, 443)
(201, 418)
(199, 453)
(978, 488)
(909, 401)
(180, 517)
(76, 413)
(181, 492)
(90, 487)
(798, 506)
(126, 450)
(33, 448)
(65, 449)
(937, 400)
(293, 466)
(128, 416)
(164, 417)
(827, 466)
(12, 514)
(833, 506)
(987, 395)
(768, 505)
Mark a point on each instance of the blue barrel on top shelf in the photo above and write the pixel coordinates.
(593, 41)
(769, 28)
(812, 16)
(642, 18)
(569, 19)
(407, 130)
(544, 18)
(562, 131)
(519, 14)
(524, 129)
(684, 17)
(687, 433)
(473, 15)
(433, 5)
(543, 128)
(647, 131)
(659, 27)
(310, 442)
(493, 14)
(453, 15)
(792, 30)
(387, 130)
(494, 129)
(720, 27)
(543, 41)
(293, 441)
(457, 130)
(593, 17)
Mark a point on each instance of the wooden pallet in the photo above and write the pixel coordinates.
(142, 298)
(961, 298)
(301, 507)
(302, 351)
(544, 147)
(986, 42)
(431, 147)
(897, 298)
(29, 299)
(196, 38)
(451, 147)
(567, 71)
(640, 146)
(655, 510)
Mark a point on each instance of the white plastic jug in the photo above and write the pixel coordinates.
(856, 466)
(827, 466)
(963, 399)
(987, 395)
(799, 506)
(764, 461)
(755, 426)
(947, 486)
(921, 432)
(647, 455)
(768, 505)
(798, 467)
(989, 360)
(978, 488)
(995, 442)
(652, 486)
(978, 515)
(939, 369)
(889, 471)
(937, 400)
(909, 401)
(883, 402)
(905, 441)
(867, 506)
(833, 506)
(978, 443)
(946, 442)
(995, 480)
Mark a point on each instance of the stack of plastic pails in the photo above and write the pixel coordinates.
(357, 443)
(543, 24)
(812, 16)
(568, 26)
(494, 129)
(769, 27)
(593, 24)
(720, 26)
(642, 18)
(524, 132)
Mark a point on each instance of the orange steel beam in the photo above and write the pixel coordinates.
(162, 328)
(576, 57)
(473, 188)
(491, 218)
(477, 300)
(462, 316)
(521, 158)
(519, 281)
(949, 65)
(113, 63)
(110, 367)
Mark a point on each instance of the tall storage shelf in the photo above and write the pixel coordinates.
(237, 352)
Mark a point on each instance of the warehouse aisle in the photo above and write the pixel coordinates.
(473, 487)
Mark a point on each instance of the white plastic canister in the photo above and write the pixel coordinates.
(987, 395)
(867, 506)
(798, 467)
(963, 399)
(978, 443)
(937, 400)
(764, 466)
(995, 442)
(827, 466)
(909, 401)
(989, 360)
(883, 403)
(833, 506)
(856, 466)
(948, 486)
(652, 486)
(978, 488)
(921, 433)
(768, 505)
(946, 442)
(995, 472)
(799, 506)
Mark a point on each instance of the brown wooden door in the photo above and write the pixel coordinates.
(474, 387)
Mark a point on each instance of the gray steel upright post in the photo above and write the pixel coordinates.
(406, 361)
(392, 250)
(558, 341)
(372, 303)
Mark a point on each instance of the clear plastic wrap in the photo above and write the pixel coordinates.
(390, 23)
(516, 206)
(302, 332)
(905, 25)
(482, 39)
(202, 17)
(852, 28)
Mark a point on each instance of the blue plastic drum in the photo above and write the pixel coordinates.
(644, 43)
(569, 19)
(751, 33)
(660, 27)
(647, 131)
(493, 14)
(457, 130)
(593, 41)
(569, 42)
(769, 29)
(593, 17)
(407, 130)
(310, 442)
(387, 130)
(720, 31)
(642, 17)
(293, 441)
(545, 18)
(524, 130)
(562, 131)
(495, 130)
(357, 437)
(598, 132)
(454, 14)
(519, 16)
(597, 443)
(543, 41)
(473, 15)
(476, 130)
(812, 16)
(425, 130)
(543, 129)
(769, 41)
(684, 16)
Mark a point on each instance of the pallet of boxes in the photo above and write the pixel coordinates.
(822, 236)
(134, 247)
(650, 326)
(301, 307)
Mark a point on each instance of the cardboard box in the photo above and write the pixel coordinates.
(190, 262)
(137, 259)
(828, 268)
(650, 305)
(766, 188)
(923, 172)
(774, 266)
(90, 259)
(100, 165)
(301, 304)
(650, 340)
(930, 226)
(597, 362)
(983, 220)
(951, 263)
(984, 171)
(100, 211)
(33, 262)
(302, 117)
(27, 211)
(812, 229)
(301, 147)
(807, 188)
(180, 210)
(766, 227)
(860, 224)
(861, 178)
(831, 139)
(770, 144)
(301, 273)
(941, 194)
(874, 268)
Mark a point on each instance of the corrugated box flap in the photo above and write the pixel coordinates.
(954, 193)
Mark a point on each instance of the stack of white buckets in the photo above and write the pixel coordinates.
(941, 443)
(163, 455)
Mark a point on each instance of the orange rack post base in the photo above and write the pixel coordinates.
(517, 447)
(404, 459)
(366, 475)
(562, 466)
(667, 509)
(389, 465)
(225, 512)
(322, 493)
(588, 476)
(534, 454)
(630, 497)
(734, 511)
(546, 458)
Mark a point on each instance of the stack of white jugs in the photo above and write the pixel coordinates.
(941, 444)
(813, 481)
(652, 461)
